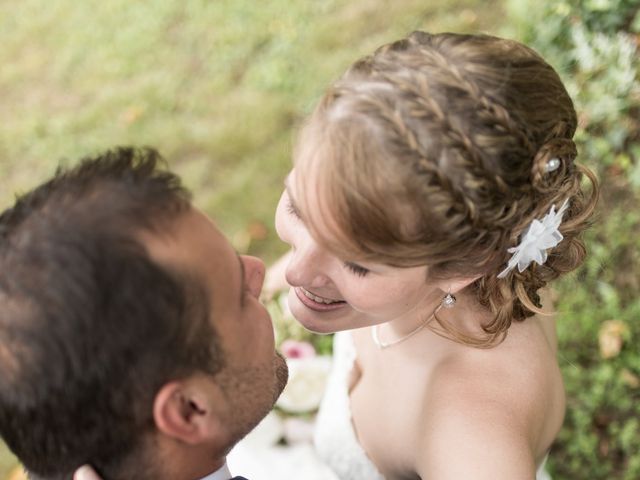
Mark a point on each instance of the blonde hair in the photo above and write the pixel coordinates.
(432, 151)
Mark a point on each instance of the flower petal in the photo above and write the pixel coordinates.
(539, 237)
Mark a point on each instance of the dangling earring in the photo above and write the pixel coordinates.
(449, 300)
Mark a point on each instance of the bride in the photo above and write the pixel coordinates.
(433, 197)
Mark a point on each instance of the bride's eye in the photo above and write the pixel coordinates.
(356, 269)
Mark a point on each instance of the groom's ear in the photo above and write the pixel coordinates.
(191, 410)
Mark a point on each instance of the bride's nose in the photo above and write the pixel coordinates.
(308, 266)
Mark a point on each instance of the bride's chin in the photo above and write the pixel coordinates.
(314, 325)
(318, 327)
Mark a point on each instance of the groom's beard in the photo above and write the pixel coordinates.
(282, 375)
(252, 393)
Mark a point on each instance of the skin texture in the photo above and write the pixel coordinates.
(447, 410)
(199, 418)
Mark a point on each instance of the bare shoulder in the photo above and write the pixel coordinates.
(470, 433)
(475, 444)
(487, 416)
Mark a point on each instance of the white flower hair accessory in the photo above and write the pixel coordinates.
(540, 236)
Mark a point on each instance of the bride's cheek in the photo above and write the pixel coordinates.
(366, 303)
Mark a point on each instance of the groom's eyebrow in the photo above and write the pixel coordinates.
(243, 283)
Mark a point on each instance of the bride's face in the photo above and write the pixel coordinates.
(330, 294)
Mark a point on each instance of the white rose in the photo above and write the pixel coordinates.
(298, 430)
(267, 433)
(307, 382)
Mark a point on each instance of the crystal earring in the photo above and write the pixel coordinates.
(448, 301)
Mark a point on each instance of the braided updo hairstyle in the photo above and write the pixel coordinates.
(435, 151)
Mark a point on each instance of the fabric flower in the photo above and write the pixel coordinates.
(538, 238)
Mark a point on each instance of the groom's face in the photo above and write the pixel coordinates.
(253, 374)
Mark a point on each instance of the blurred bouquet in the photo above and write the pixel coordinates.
(308, 356)
(287, 328)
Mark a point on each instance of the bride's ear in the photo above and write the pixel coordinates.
(189, 410)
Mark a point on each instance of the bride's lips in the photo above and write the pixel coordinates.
(314, 305)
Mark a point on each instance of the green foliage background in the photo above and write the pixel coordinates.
(594, 44)
(219, 88)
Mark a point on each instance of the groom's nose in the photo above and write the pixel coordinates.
(254, 274)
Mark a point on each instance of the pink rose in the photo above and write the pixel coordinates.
(295, 349)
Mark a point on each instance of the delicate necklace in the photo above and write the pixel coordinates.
(382, 345)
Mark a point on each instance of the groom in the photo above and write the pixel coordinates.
(131, 335)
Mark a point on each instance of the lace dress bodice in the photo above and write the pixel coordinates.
(335, 439)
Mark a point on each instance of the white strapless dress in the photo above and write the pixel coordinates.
(335, 439)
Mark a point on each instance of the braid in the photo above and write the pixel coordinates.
(423, 107)
(488, 109)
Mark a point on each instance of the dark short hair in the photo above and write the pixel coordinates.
(90, 326)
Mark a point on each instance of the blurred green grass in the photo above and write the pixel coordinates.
(218, 87)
